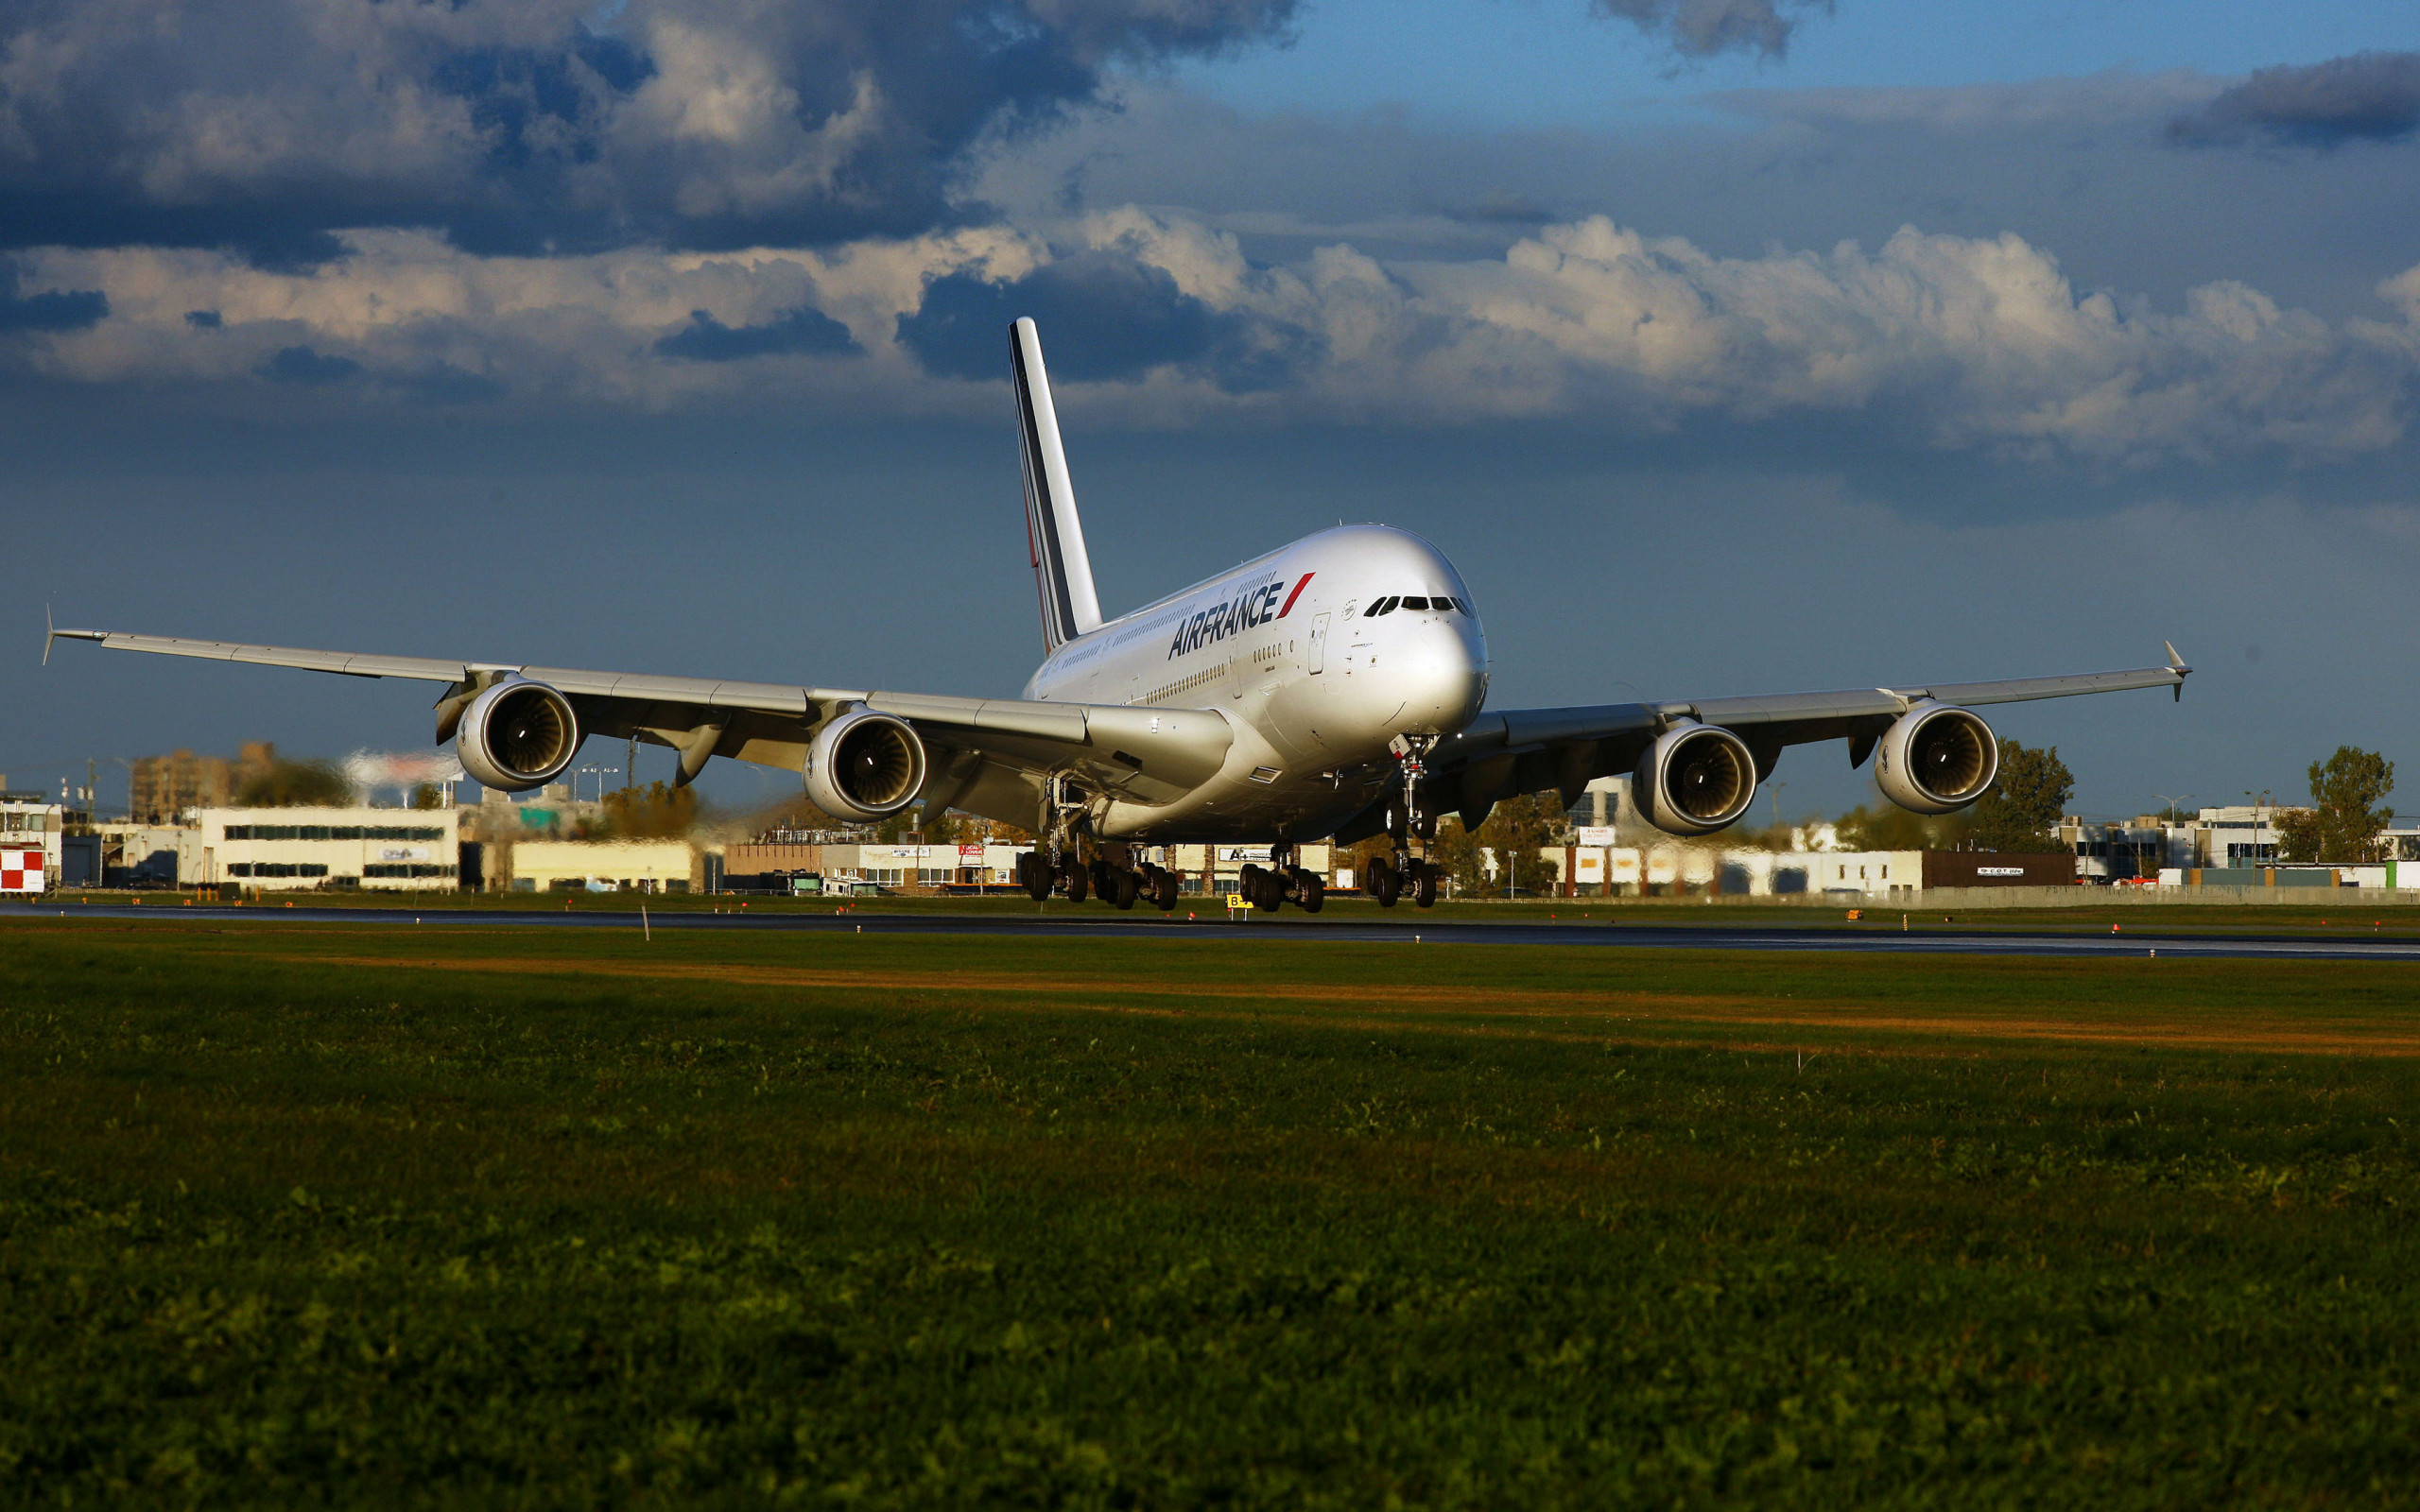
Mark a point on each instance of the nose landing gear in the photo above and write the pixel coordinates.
(1412, 825)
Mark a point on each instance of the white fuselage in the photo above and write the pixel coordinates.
(1314, 685)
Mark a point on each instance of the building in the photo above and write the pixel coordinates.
(335, 848)
(162, 789)
(32, 831)
(604, 866)
(148, 855)
(2236, 835)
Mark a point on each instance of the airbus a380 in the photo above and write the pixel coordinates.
(1335, 687)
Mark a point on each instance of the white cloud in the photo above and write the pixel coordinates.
(1938, 340)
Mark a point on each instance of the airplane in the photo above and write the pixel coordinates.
(1335, 687)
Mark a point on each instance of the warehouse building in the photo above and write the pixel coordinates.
(341, 848)
(604, 866)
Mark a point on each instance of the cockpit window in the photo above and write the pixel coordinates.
(1415, 603)
(1384, 606)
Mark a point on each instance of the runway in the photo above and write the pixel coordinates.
(1295, 929)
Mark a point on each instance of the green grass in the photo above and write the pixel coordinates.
(355, 1215)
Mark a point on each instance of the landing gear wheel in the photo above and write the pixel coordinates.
(1033, 875)
(1078, 881)
(1310, 893)
(1269, 892)
(1425, 885)
(1160, 887)
(1124, 887)
(1385, 883)
(1104, 878)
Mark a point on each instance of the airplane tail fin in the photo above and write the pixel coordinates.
(1062, 569)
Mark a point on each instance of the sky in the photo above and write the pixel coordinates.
(1726, 346)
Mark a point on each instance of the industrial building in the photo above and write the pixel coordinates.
(294, 848)
(164, 789)
(602, 865)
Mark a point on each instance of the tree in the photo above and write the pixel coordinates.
(2343, 829)
(1456, 852)
(1889, 826)
(654, 812)
(295, 784)
(2025, 804)
(1517, 831)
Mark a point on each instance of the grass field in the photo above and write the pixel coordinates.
(363, 1215)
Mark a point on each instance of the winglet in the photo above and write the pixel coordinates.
(52, 632)
(2177, 664)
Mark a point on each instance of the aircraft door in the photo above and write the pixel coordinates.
(1319, 644)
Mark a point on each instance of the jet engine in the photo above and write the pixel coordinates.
(1936, 759)
(1694, 780)
(864, 765)
(517, 735)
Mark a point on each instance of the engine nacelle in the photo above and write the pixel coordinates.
(517, 735)
(864, 765)
(1936, 759)
(1694, 780)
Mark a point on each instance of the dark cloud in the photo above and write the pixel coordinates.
(803, 330)
(303, 364)
(2368, 95)
(1702, 28)
(1104, 316)
(204, 319)
(516, 125)
(59, 310)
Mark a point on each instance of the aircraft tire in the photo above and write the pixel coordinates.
(1424, 887)
(1080, 882)
(1311, 892)
(1164, 891)
(1385, 883)
(1104, 878)
(1124, 887)
(1033, 874)
(1269, 892)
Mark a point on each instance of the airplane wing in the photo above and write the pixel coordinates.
(1529, 751)
(988, 751)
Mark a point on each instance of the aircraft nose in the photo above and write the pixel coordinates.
(1445, 676)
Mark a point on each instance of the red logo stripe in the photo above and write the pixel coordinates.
(1295, 595)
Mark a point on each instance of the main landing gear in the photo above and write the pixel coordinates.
(1281, 882)
(1412, 826)
(1078, 867)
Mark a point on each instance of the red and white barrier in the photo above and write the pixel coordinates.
(21, 871)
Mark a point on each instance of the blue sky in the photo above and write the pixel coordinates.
(1727, 346)
(1546, 64)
